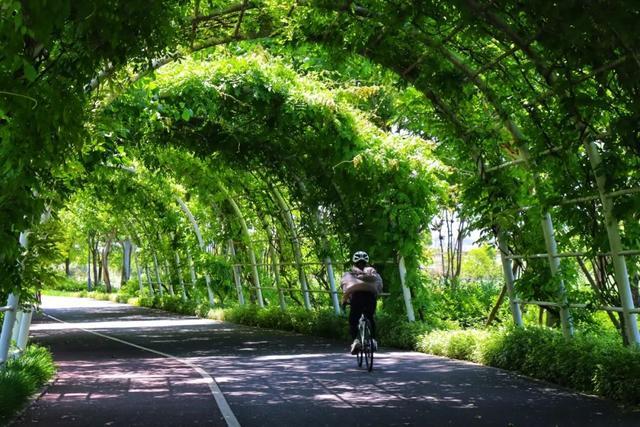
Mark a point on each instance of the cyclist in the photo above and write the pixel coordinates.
(361, 286)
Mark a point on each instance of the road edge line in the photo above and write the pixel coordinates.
(221, 401)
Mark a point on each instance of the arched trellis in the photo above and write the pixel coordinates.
(487, 14)
(408, 66)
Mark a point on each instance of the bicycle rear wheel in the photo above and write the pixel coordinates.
(367, 347)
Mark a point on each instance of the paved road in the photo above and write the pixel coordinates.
(272, 378)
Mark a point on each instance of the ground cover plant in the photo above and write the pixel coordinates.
(23, 376)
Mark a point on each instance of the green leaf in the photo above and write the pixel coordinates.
(30, 73)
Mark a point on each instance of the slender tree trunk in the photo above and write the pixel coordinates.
(89, 284)
(93, 245)
(126, 261)
(105, 264)
(496, 307)
(67, 265)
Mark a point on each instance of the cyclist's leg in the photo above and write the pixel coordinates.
(369, 310)
(354, 314)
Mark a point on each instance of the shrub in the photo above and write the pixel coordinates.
(21, 377)
(67, 284)
(459, 344)
(587, 362)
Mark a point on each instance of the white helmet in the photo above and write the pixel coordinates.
(360, 256)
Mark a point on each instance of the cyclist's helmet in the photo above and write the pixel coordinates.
(360, 256)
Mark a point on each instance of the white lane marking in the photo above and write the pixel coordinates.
(222, 403)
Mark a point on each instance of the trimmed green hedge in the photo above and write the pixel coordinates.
(21, 377)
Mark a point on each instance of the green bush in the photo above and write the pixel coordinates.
(67, 284)
(129, 289)
(21, 377)
(458, 344)
(587, 362)
(462, 302)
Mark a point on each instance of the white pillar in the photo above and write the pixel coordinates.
(157, 270)
(192, 269)
(554, 265)
(276, 274)
(168, 275)
(196, 230)
(23, 334)
(146, 270)
(16, 326)
(138, 269)
(615, 243)
(236, 273)
(247, 240)
(406, 293)
(297, 252)
(180, 279)
(507, 270)
(7, 326)
(332, 285)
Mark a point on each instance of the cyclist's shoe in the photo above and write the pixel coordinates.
(355, 346)
(374, 345)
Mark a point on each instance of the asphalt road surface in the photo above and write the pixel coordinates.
(128, 366)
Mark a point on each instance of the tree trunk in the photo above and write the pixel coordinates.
(94, 255)
(89, 285)
(105, 264)
(126, 261)
(67, 265)
(100, 281)
(496, 307)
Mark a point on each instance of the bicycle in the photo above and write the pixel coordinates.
(366, 343)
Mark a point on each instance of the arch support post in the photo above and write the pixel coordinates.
(192, 270)
(406, 292)
(146, 270)
(236, 272)
(275, 265)
(168, 276)
(554, 265)
(332, 285)
(247, 238)
(7, 326)
(157, 271)
(134, 249)
(297, 252)
(507, 270)
(23, 332)
(615, 243)
(196, 230)
(180, 279)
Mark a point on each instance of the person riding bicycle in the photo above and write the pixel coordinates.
(361, 286)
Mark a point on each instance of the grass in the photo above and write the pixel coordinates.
(22, 377)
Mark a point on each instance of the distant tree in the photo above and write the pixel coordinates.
(480, 263)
